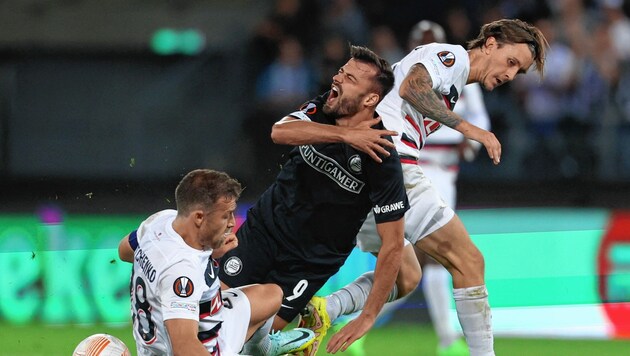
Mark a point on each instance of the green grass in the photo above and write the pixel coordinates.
(394, 339)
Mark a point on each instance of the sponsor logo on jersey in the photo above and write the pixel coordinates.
(184, 305)
(389, 208)
(354, 164)
(233, 266)
(145, 265)
(183, 287)
(447, 58)
(332, 169)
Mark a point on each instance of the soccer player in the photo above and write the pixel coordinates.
(176, 303)
(303, 227)
(439, 159)
(429, 81)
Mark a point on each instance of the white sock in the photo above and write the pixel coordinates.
(352, 297)
(259, 343)
(475, 318)
(435, 286)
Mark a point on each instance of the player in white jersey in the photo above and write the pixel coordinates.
(428, 83)
(440, 160)
(177, 304)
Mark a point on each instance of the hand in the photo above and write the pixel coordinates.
(230, 242)
(350, 333)
(366, 139)
(493, 146)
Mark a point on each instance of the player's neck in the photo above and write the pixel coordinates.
(356, 119)
(475, 57)
(187, 232)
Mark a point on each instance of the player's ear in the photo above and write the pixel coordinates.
(371, 99)
(198, 216)
(491, 43)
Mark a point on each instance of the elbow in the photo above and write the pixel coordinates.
(405, 90)
(278, 135)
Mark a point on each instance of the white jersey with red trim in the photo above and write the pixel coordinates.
(441, 147)
(172, 280)
(448, 65)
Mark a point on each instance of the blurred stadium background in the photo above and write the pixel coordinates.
(104, 105)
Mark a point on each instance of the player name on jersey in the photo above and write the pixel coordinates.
(145, 265)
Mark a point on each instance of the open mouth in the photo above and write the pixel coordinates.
(334, 93)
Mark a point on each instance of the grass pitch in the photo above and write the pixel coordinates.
(392, 339)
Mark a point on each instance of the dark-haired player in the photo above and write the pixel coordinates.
(303, 227)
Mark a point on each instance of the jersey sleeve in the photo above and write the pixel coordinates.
(388, 194)
(445, 63)
(133, 239)
(180, 288)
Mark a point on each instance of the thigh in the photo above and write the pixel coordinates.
(236, 315)
(428, 212)
(300, 280)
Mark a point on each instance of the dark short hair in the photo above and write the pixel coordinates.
(202, 188)
(510, 31)
(384, 75)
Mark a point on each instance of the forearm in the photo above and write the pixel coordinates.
(298, 132)
(183, 336)
(385, 273)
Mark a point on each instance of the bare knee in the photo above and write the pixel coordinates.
(408, 283)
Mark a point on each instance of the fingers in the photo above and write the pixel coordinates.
(495, 154)
(375, 157)
(340, 342)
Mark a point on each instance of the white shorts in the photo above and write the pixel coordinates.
(236, 314)
(427, 212)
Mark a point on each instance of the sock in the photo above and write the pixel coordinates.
(435, 286)
(352, 297)
(259, 343)
(473, 312)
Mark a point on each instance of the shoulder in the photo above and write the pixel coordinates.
(312, 109)
(448, 55)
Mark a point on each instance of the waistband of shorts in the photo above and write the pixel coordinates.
(408, 159)
(443, 146)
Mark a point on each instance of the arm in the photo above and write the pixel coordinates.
(387, 267)
(417, 90)
(295, 132)
(183, 336)
(125, 252)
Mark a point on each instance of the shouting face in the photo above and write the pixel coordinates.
(350, 86)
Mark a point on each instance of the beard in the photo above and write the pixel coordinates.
(343, 107)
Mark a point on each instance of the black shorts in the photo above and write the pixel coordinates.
(259, 259)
